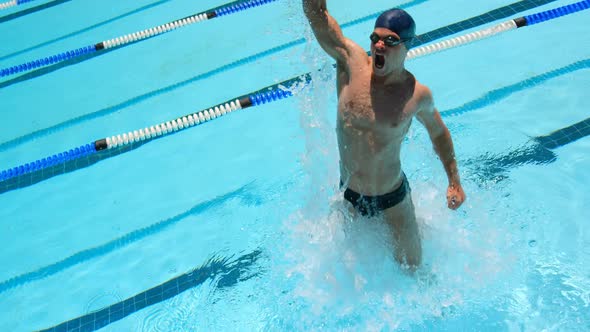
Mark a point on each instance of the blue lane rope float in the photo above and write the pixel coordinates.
(266, 95)
(240, 7)
(53, 160)
(134, 37)
(48, 60)
(555, 13)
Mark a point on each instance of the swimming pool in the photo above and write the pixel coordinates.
(234, 224)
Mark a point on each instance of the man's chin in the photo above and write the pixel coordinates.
(379, 71)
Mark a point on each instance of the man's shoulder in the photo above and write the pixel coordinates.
(356, 57)
(421, 90)
(423, 97)
(422, 93)
(356, 52)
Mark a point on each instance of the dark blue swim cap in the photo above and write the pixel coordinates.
(398, 21)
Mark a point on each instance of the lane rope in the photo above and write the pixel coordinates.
(13, 3)
(433, 35)
(266, 95)
(134, 37)
(499, 28)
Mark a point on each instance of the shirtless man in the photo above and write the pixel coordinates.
(377, 99)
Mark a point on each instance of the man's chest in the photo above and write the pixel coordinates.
(358, 106)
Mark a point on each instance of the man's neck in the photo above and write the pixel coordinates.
(397, 76)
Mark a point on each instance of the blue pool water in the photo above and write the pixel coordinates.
(236, 224)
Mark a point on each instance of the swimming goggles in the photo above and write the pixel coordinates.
(388, 41)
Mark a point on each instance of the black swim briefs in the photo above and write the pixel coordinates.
(369, 206)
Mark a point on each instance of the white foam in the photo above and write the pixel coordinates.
(340, 274)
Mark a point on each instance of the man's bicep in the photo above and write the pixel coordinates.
(429, 116)
(334, 45)
(329, 34)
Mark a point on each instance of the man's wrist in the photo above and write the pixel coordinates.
(454, 180)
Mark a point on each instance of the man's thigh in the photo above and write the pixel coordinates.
(402, 219)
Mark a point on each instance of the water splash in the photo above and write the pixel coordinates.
(336, 273)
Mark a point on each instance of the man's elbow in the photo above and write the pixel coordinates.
(439, 135)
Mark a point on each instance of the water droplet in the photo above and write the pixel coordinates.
(532, 243)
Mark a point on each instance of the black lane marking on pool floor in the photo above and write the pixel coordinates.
(565, 135)
(491, 167)
(493, 96)
(245, 194)
(92, 27)
(31, 10)
(226, 270)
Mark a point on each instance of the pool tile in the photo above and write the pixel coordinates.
(156, 298)
(102, 318)
(153, 292)
(129, 306)
(100, 324)
(169, 293)
(89, 327)
(116, 307)
(117, 315)
(61, 327)
(184, 286)
(74, 323)
(88, 318)
(170, 285)
(140, 304)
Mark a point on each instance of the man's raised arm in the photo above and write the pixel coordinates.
(326, 29)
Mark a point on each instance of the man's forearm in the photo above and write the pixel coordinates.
(314, 6)
(443, 145)
(315, 12)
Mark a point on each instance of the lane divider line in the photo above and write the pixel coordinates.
(473, 22)
(266, 95)
(133, 37)
(8, 4)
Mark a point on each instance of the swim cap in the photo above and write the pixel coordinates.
(398, 21)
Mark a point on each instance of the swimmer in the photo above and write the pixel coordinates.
(377, 100)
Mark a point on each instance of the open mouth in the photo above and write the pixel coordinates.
(379, 61)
